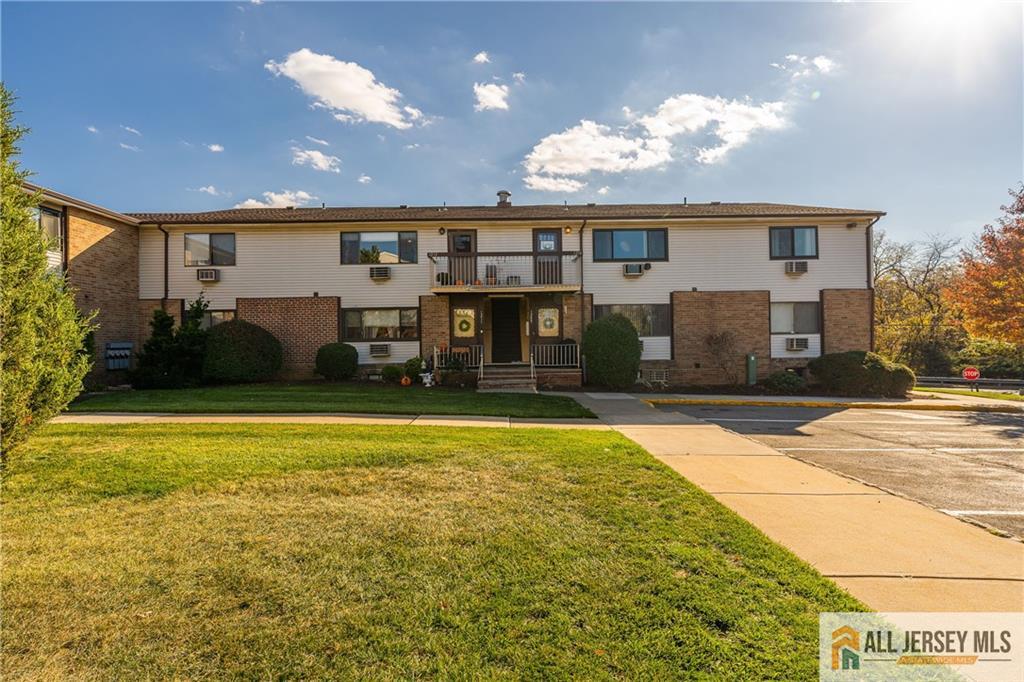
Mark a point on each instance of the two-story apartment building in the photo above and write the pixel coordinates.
(485, 286)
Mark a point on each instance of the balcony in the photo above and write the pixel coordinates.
(505, 271)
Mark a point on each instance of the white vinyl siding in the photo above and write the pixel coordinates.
(400, 352)
(54, 261)
(656, 348)
(778, 347)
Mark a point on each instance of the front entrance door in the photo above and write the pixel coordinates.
(506, 343)
(462, 256)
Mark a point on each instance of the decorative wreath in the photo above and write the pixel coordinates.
(549, 323)
(464, 326)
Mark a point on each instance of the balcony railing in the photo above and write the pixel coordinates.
(482, 271)
(458, 357)
(555, 354)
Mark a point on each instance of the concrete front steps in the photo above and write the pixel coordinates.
(513, 378)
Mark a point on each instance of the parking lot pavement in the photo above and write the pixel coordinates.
(967, 464)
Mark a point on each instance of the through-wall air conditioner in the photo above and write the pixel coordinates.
(797, 343)
(208, 275)
(796, 267)
(380, 272)
(632, 269)
(380, 350)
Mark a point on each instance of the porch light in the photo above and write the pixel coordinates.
(568, 229)
(440, 230)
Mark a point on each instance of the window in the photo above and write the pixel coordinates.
(650, 319)
(373, 324)
(795, 318)
(217, 248)
(793, 242)
(213, 317)
(547, 322)
(51, 222)
(384, 248)
(611, 245)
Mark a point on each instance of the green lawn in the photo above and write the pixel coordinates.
(287, 552)
(995, 395)
(328, 397)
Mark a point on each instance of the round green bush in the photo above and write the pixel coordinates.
(860, 373)
(241, 352)
(414, 368)
(392, 374)
(784, 383)
(337, 361)
(612, 351)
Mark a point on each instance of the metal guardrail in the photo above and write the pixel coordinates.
(463, 357)
(960, 381)
(505, 270)
(555, 354)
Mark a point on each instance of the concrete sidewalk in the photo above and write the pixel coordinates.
(917, 401)
(889, 552)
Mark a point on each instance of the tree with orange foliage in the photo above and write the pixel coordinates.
(990, 290)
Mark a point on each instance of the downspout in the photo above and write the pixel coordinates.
(583, 299)
(167, 247)
(869, 238)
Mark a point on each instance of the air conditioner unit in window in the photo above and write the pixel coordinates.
(796, 267)
(380, 272)
(632, 269)
(380, 350)
(208, 275)
(797, 343)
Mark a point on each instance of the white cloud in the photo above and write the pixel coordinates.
(256, 2)
(519, 77)
(317, 140)
(590, 146)
(215, 148)
(92, 129)
(800, 66)
(414, 145)
(211, 190)
(365, 179)
(604, 190)
(349, 91)
(543, 183)
(131, 130)
(282, 199)
(316, 159)
(490, 96)
(129, 147)
(482, 58)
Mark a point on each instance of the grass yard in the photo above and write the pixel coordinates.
(330, 397)
(994, 395)
(285, 551)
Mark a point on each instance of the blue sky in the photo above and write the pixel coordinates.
(912, 109)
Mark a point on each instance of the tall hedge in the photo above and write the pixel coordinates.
(860, 373)
(42, 334)
(240, 352)
(611, 347)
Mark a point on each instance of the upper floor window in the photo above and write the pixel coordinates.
(793, 242)
(51, 222)
(631, 245)
(795, 318)
(378, 247)
(650, 319)
(382, 324)
(217, 248)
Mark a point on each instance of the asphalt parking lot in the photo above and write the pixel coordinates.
(968, 464)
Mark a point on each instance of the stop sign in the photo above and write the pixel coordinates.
(971, 373)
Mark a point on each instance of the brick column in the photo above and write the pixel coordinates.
(302, 324)
(434, 323)
(698, 314)
(571, 303)
(847, 316)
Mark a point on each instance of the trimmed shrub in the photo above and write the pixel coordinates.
(612, 350)
(391, 374)
(337, 361)
(784, 383)
(414, 368)
(172, 358)
(241, 352)
(860, 373)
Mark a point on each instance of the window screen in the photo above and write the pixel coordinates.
(650, 319)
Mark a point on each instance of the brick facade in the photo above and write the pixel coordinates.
(697, 314)
(103, 269)
(302, 324)
(571, 328)
(435, 328)
(559, 378)
(847, 315)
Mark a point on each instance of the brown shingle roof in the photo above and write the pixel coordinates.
(485, 213)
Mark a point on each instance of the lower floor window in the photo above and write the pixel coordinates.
(795, 318)
(650, 319)
(212, 317)
(371, 324)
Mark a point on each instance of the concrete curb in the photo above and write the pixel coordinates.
(953, 407)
